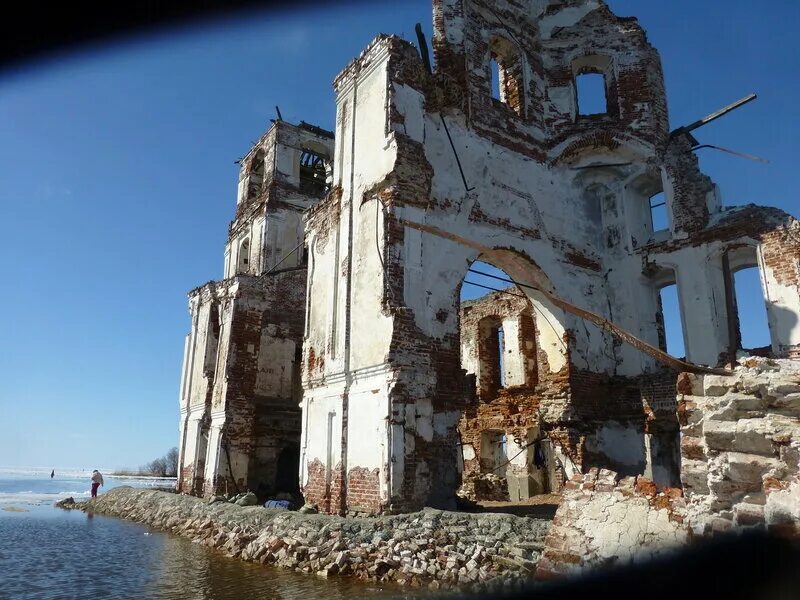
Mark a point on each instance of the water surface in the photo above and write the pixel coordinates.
(52, 554)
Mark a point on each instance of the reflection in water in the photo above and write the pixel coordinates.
(48, 554)
(193, 571)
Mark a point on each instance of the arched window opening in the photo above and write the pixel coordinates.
(313, 173)
(659, 220)
(499, 343)
(748, 325)
(646, 210)
(255, 181)
(244, 256)
(506, 77)
(591, 90)
(669, 316)
(501, 351)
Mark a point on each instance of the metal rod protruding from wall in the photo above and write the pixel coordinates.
(423, 48)
(713, 116)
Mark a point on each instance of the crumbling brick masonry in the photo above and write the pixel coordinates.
(337, 344)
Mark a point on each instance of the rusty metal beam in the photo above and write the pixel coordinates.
(601, 322)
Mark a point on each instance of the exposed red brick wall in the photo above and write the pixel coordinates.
(363, 490)
(315, 490)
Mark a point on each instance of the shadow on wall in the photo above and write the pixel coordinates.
(783, 320)
(618, 447)
(747, 566)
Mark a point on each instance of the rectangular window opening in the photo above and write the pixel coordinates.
(494, 69)
(501, 344)
(751, 309)
(670, 315)
(659, 219)
(591, 91)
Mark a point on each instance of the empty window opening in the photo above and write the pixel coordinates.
(244, 256)
(313, 173)
(256, 175)
(506, 81)
(528, 342)
(501, 351)
(591, 94)
(491, 348)
(669, 321)
(659, 221)
(751, 309)
(494, 70)
(498, 330)
(645, 208)
(475, 285)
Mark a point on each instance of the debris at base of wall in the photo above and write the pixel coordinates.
(435, 549)
(740, 469)
(605, 521)
(484, 486)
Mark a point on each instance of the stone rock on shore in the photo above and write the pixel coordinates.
(66, 503)
(436, 549)
(248, 499)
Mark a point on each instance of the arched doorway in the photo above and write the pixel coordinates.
(512, 340)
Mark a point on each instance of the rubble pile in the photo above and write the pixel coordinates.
(484, 486)
(431, 548)
(740, 469)
(604, 521)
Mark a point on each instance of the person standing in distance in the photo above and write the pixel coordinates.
(97, 481)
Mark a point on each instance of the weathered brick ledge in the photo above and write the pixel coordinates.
(433, 548)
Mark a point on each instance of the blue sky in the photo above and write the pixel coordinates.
(118, 181)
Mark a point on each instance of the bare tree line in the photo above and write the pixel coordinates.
(165, 466)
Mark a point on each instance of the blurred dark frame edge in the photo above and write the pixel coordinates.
(752, 566)
(32, 32)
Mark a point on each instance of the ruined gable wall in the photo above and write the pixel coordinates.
(555, 41)
(504, 207)
(429, 160)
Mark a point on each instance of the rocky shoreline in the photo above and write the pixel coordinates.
(436, 549)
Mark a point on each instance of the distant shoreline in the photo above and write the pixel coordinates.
(133, 475)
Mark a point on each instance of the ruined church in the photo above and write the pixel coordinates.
(336, 359)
